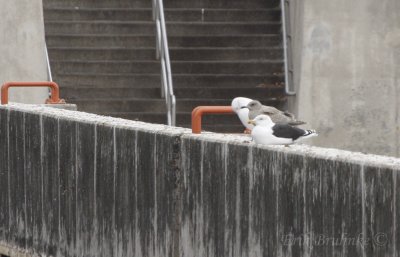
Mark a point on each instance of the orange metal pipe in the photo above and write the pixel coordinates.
(199, 111)
(55, 90)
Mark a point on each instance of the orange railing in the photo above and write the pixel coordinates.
(55, 90)
(199, 111)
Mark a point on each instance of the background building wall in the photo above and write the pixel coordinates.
(22, 48)
(347, 72)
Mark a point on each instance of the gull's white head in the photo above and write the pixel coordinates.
(262, 120)
(239, 103)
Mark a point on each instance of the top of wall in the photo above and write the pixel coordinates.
(185, 134)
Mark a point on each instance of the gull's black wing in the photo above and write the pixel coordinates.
(287, 131)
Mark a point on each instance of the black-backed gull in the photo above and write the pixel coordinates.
(266, 132)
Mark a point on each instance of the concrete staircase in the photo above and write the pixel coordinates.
(102, 54)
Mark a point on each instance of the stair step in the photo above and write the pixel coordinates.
(173, 28)
(188, 92)
(179, 80)
(129, 40)
(212, 15)
(99, 14)
(177, 54)
(96, 4)
(99, 54)
(226, 54)
(100, 27)
(74, 93)
(198, 67)
(145, 14)
(150, 105)
(229, 4)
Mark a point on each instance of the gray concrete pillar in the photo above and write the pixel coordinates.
(22, 48)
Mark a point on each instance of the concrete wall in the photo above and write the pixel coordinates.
(347, 72)
(22, 48)
(77, 184)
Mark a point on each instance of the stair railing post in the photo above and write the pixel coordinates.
(286, 51)
(162, 53)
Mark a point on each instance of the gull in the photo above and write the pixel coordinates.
(239, 106)
(266, 132)
(277, 116)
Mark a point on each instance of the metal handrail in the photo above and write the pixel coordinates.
(50, 77)
(54, 95)
(287, 48)
(162, 53)
(199, 111)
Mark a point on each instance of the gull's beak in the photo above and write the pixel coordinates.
(243, 107)
(251, 122)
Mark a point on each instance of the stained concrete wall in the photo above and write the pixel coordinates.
(22, 48)
(347, 72)
(77, 184)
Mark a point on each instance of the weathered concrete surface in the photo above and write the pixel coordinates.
(347, 72)
(256, 201)
(78, 184)
(22, 48)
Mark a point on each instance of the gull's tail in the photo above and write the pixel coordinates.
(309, 133)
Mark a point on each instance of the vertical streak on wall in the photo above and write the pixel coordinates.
(394, 208)
(68, 188)
(146, 197)
(51, 185)
(125, 205)
(396, 228)
(379, 211)
(25, 189)
(229, 207)
(17, 178)
(156, 176)
(60, 239)
(33, 177)
(104, 189)
(94, 239)
(77, 249)
(137, 248)
(250, 240)
(200, 207)
(4, 176)
(116, 245)
(291, 203)
(85, 199)
(363, 199)
(42, 210)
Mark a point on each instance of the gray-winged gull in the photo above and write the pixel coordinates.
(277, 116)
(239, 106)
